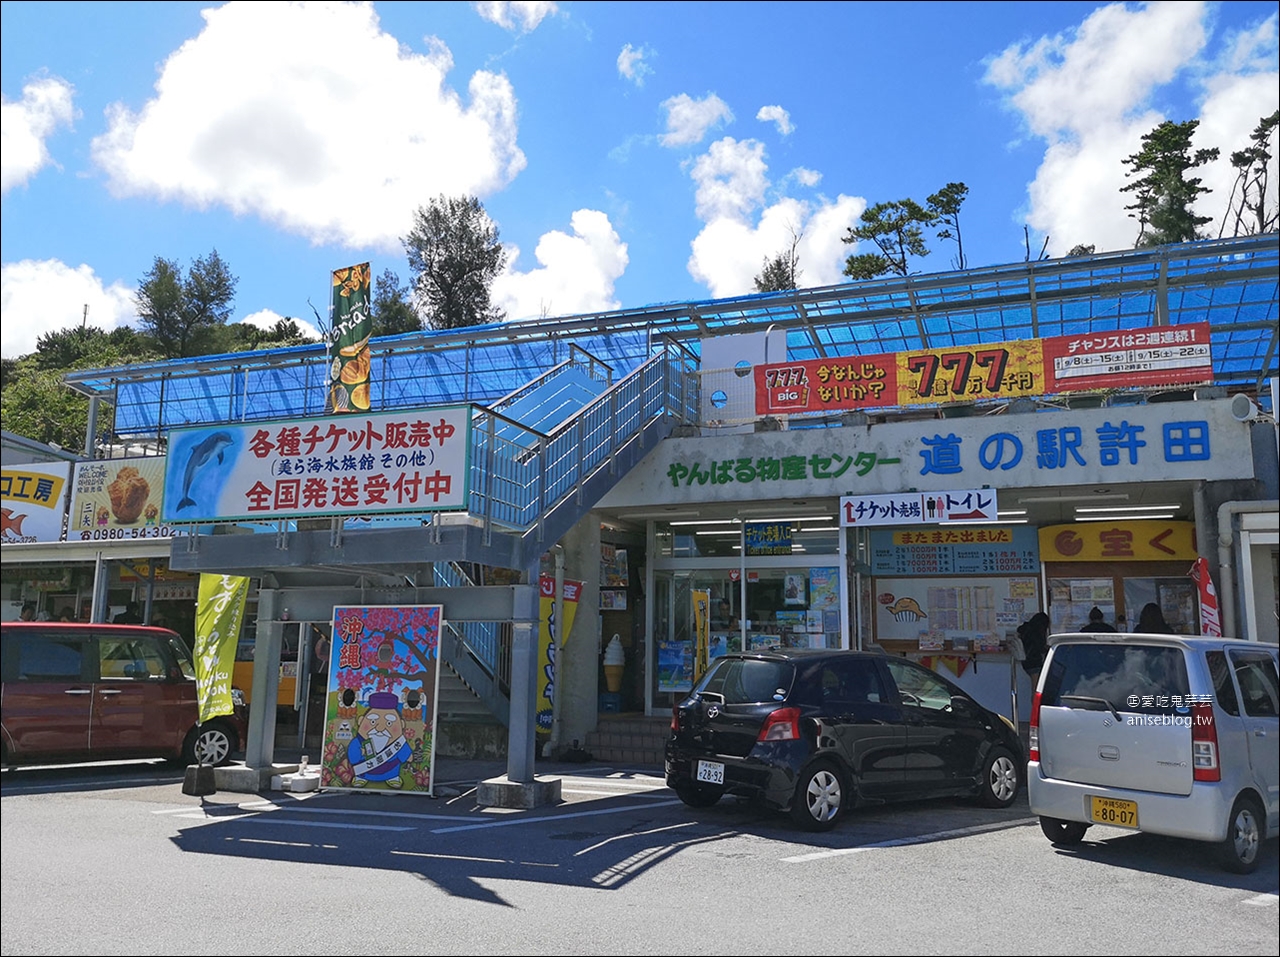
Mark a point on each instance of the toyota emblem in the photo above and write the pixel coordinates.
(713, 711)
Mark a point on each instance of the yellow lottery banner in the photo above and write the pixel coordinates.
(1005, 370)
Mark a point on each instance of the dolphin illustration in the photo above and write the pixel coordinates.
(208, 448)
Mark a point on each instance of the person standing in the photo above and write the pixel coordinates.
(1151, 621)
(1034, 635)
(1097, 621)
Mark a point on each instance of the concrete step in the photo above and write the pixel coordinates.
(631, 740)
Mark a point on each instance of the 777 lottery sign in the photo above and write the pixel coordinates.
(408, 461)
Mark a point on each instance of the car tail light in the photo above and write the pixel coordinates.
(675, 718)
(1033, 736)
(781, 725)
(1204, 744)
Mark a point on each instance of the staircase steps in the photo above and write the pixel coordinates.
(629, 740)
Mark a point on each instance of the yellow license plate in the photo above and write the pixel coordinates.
(1113, 811)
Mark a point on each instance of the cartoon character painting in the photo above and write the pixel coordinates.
(379, 747)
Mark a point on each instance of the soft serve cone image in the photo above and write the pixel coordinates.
(614, 660)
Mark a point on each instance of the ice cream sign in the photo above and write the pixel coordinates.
(919, 508)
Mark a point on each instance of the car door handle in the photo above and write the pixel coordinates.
(110, 690)
(1258, 732)
(77, 691)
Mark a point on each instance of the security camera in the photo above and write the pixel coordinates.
(1243, 408)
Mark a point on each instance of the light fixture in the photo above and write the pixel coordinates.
(1012, 511)
(710, 521)
(1120, 518)
(1127, 508)
(1059, 499)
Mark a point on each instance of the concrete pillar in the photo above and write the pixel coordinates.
(521, 788)
(260, 749)
(577, 684)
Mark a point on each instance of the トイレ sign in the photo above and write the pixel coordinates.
(919, 508)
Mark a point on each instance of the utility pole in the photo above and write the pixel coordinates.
(85, 319)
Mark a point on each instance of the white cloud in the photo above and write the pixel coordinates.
(25, 125)
(576, 275)
(524, 15)
(741, 232)
(41, 296)
(633, 64)
(688, 120)
(1088, 92)
(806, 177)
(731, 179)
(267, 319)
(315, 120)
(778, 116)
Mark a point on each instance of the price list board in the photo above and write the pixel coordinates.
(988, 550)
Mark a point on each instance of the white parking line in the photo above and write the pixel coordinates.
(1262, 900)
(905, 841)
(546, 818)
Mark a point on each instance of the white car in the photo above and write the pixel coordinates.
(1161, 733)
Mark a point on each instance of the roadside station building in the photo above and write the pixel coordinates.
(916, 465)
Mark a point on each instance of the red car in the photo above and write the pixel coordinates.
(96, 692)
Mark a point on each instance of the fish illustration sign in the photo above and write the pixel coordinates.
(34, 501)
(404, 461)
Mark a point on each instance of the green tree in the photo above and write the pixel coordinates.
(897, 229)
(1247, 211)
(392, 311)
(455, 256)
(944, 208)
(782, 271)
(1163, 193)
(178, 311)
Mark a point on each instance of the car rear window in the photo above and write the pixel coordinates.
(1145, 679)
(747, 681)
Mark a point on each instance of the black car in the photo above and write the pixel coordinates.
(816, 732)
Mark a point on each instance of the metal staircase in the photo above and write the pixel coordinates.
(542, 456)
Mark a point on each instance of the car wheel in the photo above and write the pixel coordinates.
(1000, 779)
(1238, 851)
(1061, 832)
(695, 795)
(210, 744)
(820, 797)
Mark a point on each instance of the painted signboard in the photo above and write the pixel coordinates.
(1139, 540)
(351, 323)
(406, 461)
(381, 699)
(1167, 355)
(118, 500)
(34, 502)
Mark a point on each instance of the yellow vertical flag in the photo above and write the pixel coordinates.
(219, 612)
(702, 630)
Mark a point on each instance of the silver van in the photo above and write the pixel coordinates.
(1160, 733)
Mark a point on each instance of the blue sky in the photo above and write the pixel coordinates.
(629, 153)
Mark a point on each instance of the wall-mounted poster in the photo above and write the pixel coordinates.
(380, 706)
(613, 599)
(613, 567)
(824, 588)
(675, 665)
(793, 590)
(35, 502)
(115, 500)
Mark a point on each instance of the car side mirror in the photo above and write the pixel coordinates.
(961, 705)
